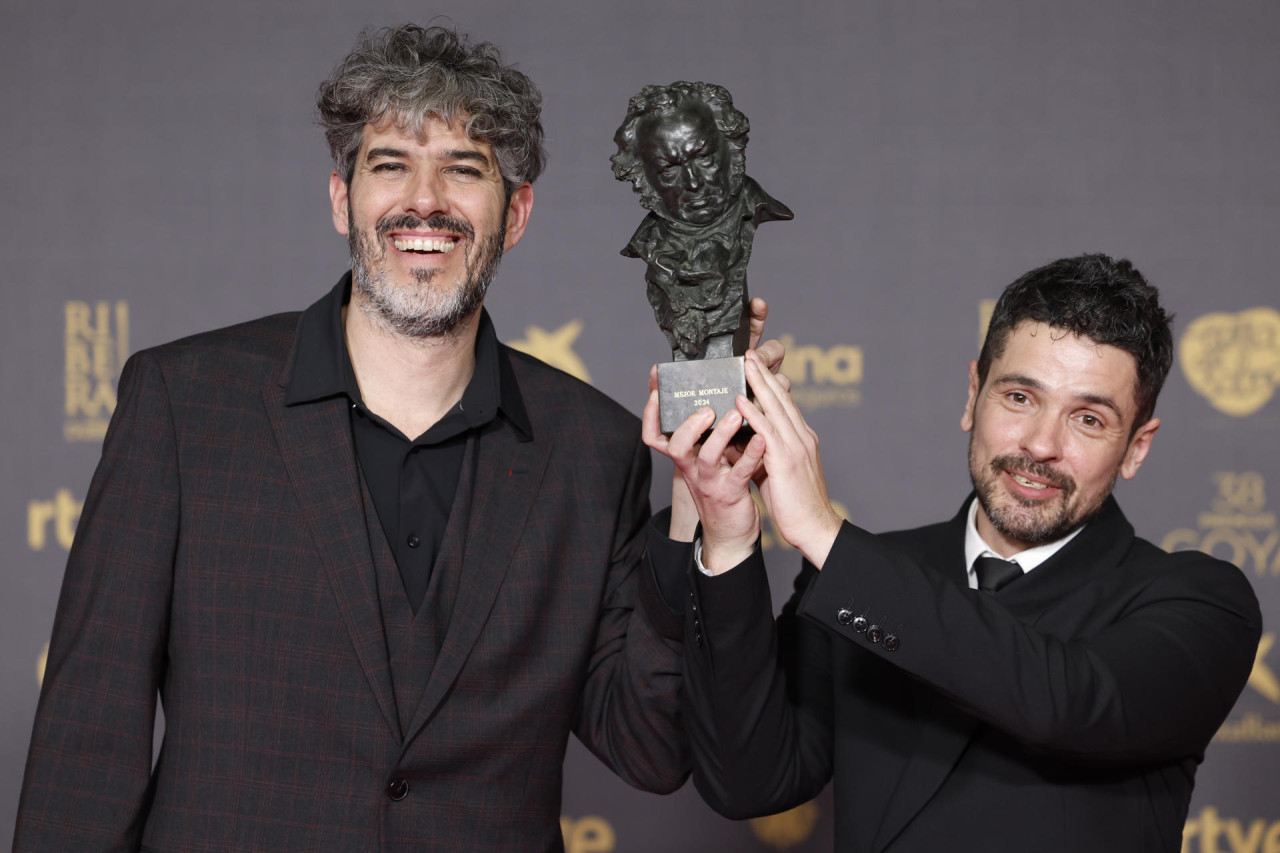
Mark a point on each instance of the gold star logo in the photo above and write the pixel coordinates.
(1262, 678)
(555, 348)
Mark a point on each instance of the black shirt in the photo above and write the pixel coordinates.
(412, 481)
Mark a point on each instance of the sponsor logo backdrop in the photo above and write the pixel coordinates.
(164, 175)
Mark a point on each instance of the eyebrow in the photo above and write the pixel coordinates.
(468, 154)
(385, 152)
(1037, 385)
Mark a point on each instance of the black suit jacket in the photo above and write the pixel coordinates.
(1066, 713)
(223, 563)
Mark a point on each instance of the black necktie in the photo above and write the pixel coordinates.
(994, 573)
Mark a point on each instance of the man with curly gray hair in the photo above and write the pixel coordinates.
(377, 565)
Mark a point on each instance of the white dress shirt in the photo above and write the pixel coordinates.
(975, 546)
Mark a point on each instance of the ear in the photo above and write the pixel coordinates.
(338, 201)
(1138, 448)
(966, 420)
(519, 208)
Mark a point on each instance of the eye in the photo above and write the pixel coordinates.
(1090, 420)
(389, 167)
(1018, 397)
(465, 171)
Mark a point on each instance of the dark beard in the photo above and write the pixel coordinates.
(425, 313)
(1032, 529)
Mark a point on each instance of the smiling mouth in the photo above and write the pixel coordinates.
(1032, 484)
(425, 245)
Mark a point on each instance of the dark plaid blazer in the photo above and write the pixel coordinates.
(223, 562)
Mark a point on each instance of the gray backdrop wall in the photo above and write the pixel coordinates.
(162, 174)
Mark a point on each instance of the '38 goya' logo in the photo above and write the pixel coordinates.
(1237, 528)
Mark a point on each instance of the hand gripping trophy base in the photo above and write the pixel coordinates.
(684, 387)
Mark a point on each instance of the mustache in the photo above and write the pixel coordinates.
(439, 222)
(1039, 470)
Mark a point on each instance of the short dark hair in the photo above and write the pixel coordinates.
(1096, 297)
(407, 73)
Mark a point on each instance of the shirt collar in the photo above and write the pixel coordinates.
(975, 546)
(322, 366)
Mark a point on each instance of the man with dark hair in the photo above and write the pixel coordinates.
(1029, 675)
(376, 565)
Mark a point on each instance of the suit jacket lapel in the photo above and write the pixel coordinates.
(315, 444)
(1091, 556)
(507, 477)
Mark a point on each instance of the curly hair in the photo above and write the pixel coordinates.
(657, 101)
(1096, 297)
(408, 73)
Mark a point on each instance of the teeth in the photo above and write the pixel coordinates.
(420, 244)
(1024, 481)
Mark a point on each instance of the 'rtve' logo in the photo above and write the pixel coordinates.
(589, 834)
(61, 514)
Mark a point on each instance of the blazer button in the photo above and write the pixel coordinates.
(697, 639)
(398, 789)
(860, 624)
(875, 634)
(890, 642)
(844, 616)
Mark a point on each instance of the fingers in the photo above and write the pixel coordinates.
(772, 399)
(748, 465)
(759, 311)
(713, 449)
(772, 354)
(651, 424)
(682, 447)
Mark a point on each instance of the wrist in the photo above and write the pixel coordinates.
(684, 514)
(817, 543)
(719, 557)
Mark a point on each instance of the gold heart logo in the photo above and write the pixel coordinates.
(1233, 360)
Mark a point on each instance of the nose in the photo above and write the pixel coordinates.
(1042, 439)
(692, 179)
(424, 195)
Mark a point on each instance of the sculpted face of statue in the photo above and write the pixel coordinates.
(686, 160)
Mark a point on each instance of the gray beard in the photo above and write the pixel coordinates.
(422, 311)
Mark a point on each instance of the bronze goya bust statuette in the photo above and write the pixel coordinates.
(683, 148)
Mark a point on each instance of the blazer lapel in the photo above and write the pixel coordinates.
(1050, 593)
(315, 443)
(508, 474)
